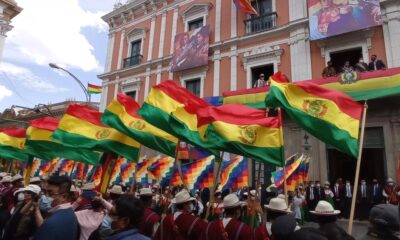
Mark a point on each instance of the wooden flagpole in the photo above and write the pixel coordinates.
(179, 164)
(214, 186)
(284, 164)
(133, 185)
(355, 187)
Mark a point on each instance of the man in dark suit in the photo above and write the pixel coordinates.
(348, 195)
(311, 196)
(320, 193)
(338, 192)
(363, 195)
(376, 193)
(376, 64)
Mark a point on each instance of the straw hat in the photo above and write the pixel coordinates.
(6, 179)
(282, 196)
(32, 188)
(324, 208)
(116, 189)
(34, 180)
(389, 180)
(182, 197)
(145, 192)
(231, 201)
(88, 186)
(16, 177)
(278, 205)
(3, 174)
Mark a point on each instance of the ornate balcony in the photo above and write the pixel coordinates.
(132, 61)
(261, 23)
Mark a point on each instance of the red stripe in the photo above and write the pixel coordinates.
(14, 132)
(180, 94)
(85, 113)
(130, 105)
(343, 101)
(48, 123)
(94, 86)
(279, 77)
(246, 91)
(236, 114)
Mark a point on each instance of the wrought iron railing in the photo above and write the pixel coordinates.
(260, 23)
(132, 61)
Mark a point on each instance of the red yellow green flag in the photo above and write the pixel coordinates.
(40, 144)
(94, 89)
(12, 143)
(172, 108)
(245, 131)
(121, 115)
(81, 127)
(328, 115)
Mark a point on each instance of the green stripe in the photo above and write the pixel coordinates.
(11, 153)
(155, 117)
(76, 140)
(49, 150)
(149, 140)
(374, 94)
(323, 130)
(182, 132)
(272, 155)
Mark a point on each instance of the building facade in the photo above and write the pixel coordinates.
(8, 10)
(141, 45)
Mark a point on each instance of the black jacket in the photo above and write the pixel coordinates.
(379, 65)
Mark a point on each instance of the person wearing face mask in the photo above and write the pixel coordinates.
(165, 200)
(230, 227)
(277, 207)
(216, 210)
(126, 218)
(320, 191)
(338, 191)
(151, 220)
(311, 196)
(297, 203)
(22, 223)
(389, 192)
(328, 194)
(348, 195)
(62, 223)
(363, 201)
(361, 66)
(181, 224)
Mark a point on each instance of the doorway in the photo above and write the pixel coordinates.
(372, 160)
(267, 70)
(340, 57)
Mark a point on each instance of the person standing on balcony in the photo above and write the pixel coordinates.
(260, 81)
(329, 71)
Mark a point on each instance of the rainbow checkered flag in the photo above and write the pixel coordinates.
(235, 173)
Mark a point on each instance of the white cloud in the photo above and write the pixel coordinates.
(51, 31)
(28, 79)
(4, 92)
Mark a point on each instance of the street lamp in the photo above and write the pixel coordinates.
(87, 95)
(306, 145)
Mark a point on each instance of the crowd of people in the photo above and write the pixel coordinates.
(360, 66)
(56, 208)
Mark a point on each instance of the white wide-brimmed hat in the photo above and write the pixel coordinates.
(324, 208)
(3, 174)
(278, 205)
(182, 197)
(89, 186)
(16, 177)
(253, 192)
(35, 180)
(6, 179)
(116, 189)
(390, 180)
(231, 201)
(327, 183)
(281, 196)
(145, 192)
(30, 188)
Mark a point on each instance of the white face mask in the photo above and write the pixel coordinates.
(312, 185)
(253, 198)
(20, 197)
(318, 185)
(191, 207)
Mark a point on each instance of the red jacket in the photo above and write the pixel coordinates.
(149, 220)
(185, 226)
(234, 230)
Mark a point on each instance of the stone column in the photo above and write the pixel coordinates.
(4, 28)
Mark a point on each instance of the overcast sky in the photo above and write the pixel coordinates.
(70, 33)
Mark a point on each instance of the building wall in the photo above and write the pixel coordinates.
(233, 53)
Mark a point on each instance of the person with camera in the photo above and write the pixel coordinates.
(22, 224)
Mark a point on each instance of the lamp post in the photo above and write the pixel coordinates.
(306, 145)
(87, 95)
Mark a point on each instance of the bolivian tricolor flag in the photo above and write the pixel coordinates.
(121, 115)
(40, 144)
(81, 127)
(94, 89)
(172, 108)
(245, 131)
(12, 142)
(328, 115)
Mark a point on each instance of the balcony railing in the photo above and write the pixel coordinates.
(261, 23)
(132, 61)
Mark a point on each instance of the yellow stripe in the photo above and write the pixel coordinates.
(37, 134)
(161, 100)
(365, 85)
(296, 97)
(246, 98)
(75, 125)
(128, 120)
(189, 119)
(264, 137)
(12, 141)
